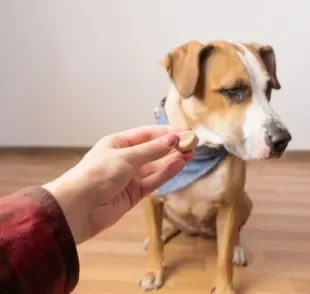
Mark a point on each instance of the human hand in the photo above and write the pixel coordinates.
(114, 176)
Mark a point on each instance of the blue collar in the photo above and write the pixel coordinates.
(205, 160)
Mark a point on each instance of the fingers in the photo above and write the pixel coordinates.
(139, 135)
(144, 153)
(157, 165)
(154, 181)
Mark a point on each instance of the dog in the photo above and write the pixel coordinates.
(221, 90)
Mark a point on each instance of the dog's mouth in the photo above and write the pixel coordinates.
(260, 149)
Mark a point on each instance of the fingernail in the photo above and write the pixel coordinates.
(171, 139)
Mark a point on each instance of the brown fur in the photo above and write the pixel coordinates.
(191, 209)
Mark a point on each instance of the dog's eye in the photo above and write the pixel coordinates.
(235, 94)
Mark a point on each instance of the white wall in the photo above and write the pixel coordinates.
(100, 58)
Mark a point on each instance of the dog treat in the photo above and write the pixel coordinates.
(187, 141)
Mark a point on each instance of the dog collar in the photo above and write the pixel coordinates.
(205, 159)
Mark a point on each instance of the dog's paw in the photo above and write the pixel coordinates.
(224, 290)
(146, 242)
(239, 257)
(152, 280)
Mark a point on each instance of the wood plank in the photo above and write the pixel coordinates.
(277, 236)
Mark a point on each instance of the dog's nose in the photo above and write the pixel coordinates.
(277, 139)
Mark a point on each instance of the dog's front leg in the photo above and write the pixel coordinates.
(244, 211)
(153, 277)
(227, 234)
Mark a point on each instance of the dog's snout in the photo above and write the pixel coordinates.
(277, 138)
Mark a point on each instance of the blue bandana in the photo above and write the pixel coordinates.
(204, 161)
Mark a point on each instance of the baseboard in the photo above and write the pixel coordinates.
(34, 150)
(299, 155)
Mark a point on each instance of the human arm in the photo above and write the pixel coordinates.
(40, 226)
(37, 249)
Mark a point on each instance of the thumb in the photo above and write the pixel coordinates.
(144, 153)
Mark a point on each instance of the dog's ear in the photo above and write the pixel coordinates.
(183, 66)
(268, 57)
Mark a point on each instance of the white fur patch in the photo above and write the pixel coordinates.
(259, 111)
(173, 109)
(207, 137)
(239, 257)
(175, 115)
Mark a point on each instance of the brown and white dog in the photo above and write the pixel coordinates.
(221, 90)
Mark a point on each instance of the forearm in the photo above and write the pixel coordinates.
(69, 190)
(37, 250)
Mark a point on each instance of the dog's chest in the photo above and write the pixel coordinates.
(201, 197)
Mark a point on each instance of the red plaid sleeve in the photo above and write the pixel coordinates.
(37, 250)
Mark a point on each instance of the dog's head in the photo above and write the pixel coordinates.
(228, 86)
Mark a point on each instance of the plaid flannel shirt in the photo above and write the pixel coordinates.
(37, 250)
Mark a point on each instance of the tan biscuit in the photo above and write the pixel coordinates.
(187, 141)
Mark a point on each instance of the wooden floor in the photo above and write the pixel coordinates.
(277, 236)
